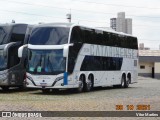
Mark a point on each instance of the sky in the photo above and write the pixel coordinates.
(144, 13)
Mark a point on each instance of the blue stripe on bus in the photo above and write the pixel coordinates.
(65, 80)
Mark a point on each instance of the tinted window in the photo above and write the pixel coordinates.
(135, 43)
(77, 35)
(90, 36)
(99, 37)
(83, 35)
(13, 56)
(28, 33)
(72, 57)
(49, 36)
(114, 40)
(18, 33)
(4, 34)
(97, 63)
(106, 38)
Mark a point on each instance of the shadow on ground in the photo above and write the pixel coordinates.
(73, 91)
(14, 90)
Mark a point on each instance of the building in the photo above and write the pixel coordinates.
(141, 47)
(128, 24)
(113, 23)
(149, 63)
(121, 24)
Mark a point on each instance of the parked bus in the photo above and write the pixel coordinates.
(12, 36)
(64, 56)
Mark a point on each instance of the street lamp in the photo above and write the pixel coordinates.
(69, 17)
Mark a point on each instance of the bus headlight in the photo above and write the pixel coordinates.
(4, 78)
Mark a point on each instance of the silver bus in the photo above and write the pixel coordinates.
(12, 68)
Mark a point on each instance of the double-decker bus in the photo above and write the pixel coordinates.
(12, 71)
(64, 55)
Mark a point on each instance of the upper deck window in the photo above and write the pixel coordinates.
(4, 34)
(49, 36)
(18, 33)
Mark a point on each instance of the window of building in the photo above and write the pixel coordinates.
(142, 67)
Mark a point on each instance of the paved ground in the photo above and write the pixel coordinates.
(146, 92)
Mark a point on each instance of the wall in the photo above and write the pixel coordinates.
(157, 70)
(147, 72)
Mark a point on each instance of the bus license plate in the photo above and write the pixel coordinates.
(43, 84)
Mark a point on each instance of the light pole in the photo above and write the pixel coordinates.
(69, 17)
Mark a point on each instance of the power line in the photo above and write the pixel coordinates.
(48, 16)
(148, 40)
(117, 5)
(29, 13)
(79, 20)
(73, 9)
(17, 2)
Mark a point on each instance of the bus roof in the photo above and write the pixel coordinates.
(54, 24)
(71, 25)
(12, 24)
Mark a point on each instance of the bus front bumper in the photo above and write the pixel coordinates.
(55, 85)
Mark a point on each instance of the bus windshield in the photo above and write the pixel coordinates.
(3, 61)
(49, 36)
(46, 61)
(4, 34)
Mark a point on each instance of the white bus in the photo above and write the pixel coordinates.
(64, 55)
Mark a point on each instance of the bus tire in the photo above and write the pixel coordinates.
(5, 88)
(81, 84)
(123, 81)
(88, 83)
(126, 85)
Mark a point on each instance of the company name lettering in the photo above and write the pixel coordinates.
(98, 50)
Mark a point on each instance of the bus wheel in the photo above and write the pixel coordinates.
(81, 84)
(126, 84)
(45, 90)
(88, 84)
(123, 81)
(5, 88)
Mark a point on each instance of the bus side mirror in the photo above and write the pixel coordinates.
(65, 51)
(20, 50)
(7, 47)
